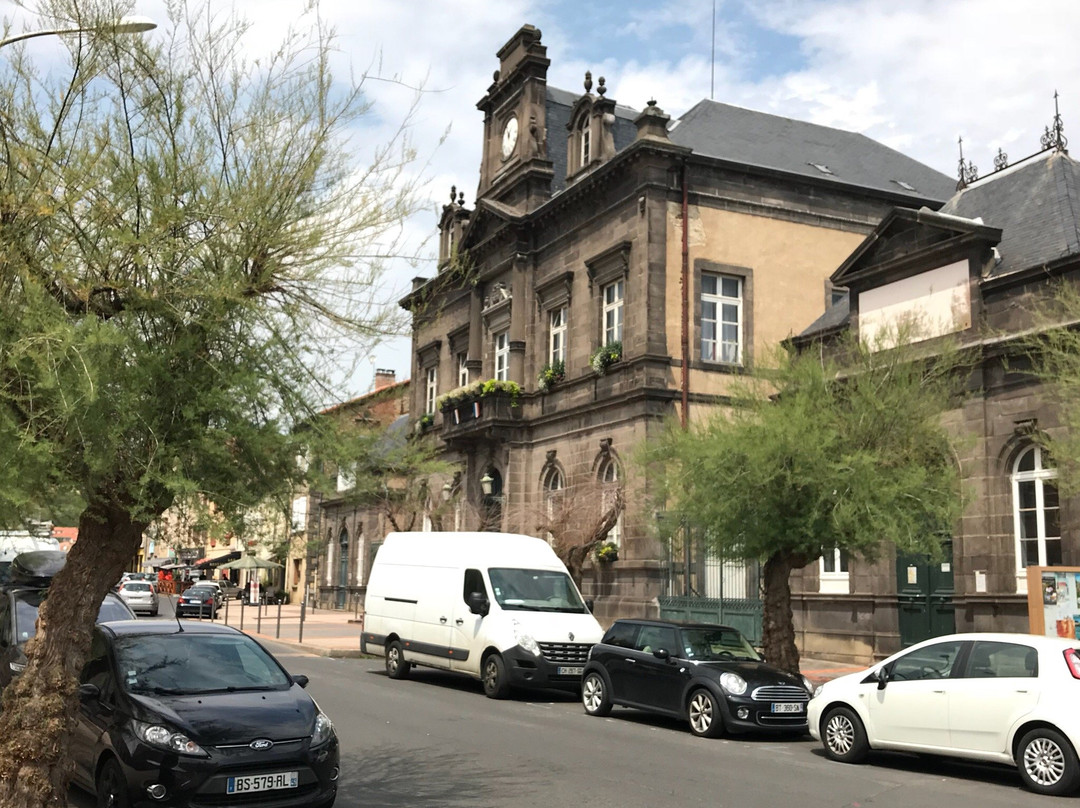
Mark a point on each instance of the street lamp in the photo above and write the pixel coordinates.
(486, 483)
(125, 25)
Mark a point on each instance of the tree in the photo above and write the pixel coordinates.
(578, 518)
(816, 455)
(187, 241)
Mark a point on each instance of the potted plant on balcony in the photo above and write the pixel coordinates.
(605, 356)
(424, 422)
(550, 375)
(478, 390)
(607, 552)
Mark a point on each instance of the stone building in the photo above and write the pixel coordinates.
(343, 533)
(974, 269)
(685, 248)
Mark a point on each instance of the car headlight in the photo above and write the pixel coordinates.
(526, 641)
(733, 683)
(165, 738)
(323, 730)
(818, 690)
(808, 685)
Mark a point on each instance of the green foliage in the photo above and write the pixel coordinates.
(1051, 352)
(479, 389)
(606, 552)
(605, 356)
(814, 455)
(550, 375)
(179, 232)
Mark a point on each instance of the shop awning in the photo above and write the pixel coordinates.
(155, 563)
(221, 559)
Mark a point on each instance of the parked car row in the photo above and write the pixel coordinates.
(502, 609)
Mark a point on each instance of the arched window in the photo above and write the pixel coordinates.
(584, 139)
(608, 477)
(343, 557)
(1035, 511)
(553, 483)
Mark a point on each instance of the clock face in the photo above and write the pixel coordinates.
(510, 133)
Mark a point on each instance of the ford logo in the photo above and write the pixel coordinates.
(261, 744)
(571, 636)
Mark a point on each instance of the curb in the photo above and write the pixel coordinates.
(315, 650)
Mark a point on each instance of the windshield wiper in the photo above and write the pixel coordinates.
(238, 688)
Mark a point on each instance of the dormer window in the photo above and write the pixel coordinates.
(584, 136)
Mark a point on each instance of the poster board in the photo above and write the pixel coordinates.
(1054, 601)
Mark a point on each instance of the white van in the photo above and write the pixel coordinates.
(499, 607)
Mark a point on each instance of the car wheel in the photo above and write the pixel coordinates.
(844, 736)
(1047, 762)
(496, 683)
(396, 666)
(111, 786)
(594, 695)
(155, 612)
(706, 720)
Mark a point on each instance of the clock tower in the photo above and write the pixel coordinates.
(515, 169)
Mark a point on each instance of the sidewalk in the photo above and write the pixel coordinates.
(333, 633)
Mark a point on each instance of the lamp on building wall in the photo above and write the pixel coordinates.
(486, 482)
(447, 492)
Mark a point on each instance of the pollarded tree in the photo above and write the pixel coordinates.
(577, 519)
(817, 455)
(186, 242)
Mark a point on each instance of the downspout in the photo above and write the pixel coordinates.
(685, 299)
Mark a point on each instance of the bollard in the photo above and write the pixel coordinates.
(243, 603)
(227, 611)
(277, 633)
(303, 609)
(258, 616)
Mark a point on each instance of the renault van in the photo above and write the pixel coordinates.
(498, 607)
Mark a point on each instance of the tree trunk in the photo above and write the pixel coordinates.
(778, 632)
(40, 706)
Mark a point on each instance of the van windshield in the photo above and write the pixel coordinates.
(535, 590)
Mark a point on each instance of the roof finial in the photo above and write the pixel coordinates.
(601, 88)
(461, 198)
(1054, 137)
(967, 171)
(1001, 160)
(588, 81)
(453, 194)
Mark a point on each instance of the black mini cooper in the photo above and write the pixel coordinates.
(707, 674)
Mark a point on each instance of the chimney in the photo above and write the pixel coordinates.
(384, 378)
(652, 124)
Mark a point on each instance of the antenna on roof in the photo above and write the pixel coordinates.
(712, 61)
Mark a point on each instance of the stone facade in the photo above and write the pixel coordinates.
(582, 202)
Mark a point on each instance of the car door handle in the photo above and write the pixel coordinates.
(459, 621)
(442, 619)
(630, 660)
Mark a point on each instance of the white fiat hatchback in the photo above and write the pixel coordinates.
(1007, 698)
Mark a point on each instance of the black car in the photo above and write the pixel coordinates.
(19, 604)
(707, 674)
(198, 715)
(202, 600)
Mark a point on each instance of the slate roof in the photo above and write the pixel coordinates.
(770, 141)
(559, 104)
(835, 316)
(1036, 203)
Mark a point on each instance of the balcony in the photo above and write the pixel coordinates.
(481, 412)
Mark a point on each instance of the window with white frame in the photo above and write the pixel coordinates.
(586, 145)
(502, 355)
(1036, 514)
(608, 475)
(721, 318)
(613, 311)
(557, 336)
(431, 389)
(462, 369)
(833, 571)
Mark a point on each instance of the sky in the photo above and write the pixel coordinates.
(915, 75)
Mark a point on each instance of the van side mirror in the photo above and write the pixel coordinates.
(478, 603)
(589, 605)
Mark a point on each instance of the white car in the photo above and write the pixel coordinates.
(1004, 698)
(140, 596)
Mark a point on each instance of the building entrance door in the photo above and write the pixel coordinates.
(924, 593)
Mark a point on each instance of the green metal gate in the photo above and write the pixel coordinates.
(924, 594)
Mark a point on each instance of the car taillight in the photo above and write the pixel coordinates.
(1072, 657)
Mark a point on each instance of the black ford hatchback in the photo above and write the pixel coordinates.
(706, 674)
(199, 715)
